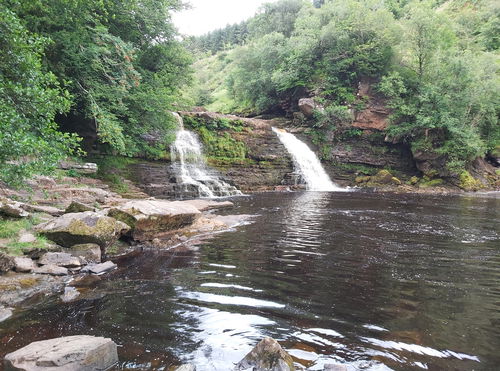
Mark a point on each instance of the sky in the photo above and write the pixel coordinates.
(209, 15)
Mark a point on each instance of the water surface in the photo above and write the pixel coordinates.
(381, 281)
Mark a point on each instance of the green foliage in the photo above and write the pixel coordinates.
(30, 98)
(121, 63)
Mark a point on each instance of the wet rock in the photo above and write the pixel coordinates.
(88, 252)
(78, 207)
(26, 237)
(53, 270)
(70, 294)
(6, 262)
(24, 265)
(75, 353)
(79, 228)
(60, 259)
(148, 217)
(187, 367)
(204, 205)
(99, 268)
(16, 288)
(267, 355)
(12, 208)
(5, 313)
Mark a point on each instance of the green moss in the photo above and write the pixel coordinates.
(222, 145)
(468, 182)
(427, 182)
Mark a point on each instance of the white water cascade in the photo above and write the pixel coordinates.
(307, 163)
(191, 169)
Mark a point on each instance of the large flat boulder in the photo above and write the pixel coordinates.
(79, 228)
(75, 353)
(61, 259)
(148, 217)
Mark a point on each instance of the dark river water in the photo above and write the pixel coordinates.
(378, 281)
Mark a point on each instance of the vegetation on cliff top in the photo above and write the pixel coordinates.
(435, 62)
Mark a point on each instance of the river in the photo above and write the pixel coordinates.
(380, 281)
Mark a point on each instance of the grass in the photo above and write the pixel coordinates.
(10, 229)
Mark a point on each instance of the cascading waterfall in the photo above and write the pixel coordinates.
(307, 163)
(187, 153)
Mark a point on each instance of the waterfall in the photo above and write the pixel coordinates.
(191, 169)
(307, 163)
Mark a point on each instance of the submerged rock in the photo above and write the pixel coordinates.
(70, 293)
(75, 353)
(87, 227)
(5, 313)
(148, 217)
(267, 355)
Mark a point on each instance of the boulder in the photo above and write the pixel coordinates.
(6, 263)
(88, 252)
(148, 217)
(382, 177)
(60, 259)
(70, 294)
(13, 209)
(87, 227)
(24, 265)
(307, 106)
(78, 207)
(99, 268)
(75, 353)
(53, 270)
(267, 355)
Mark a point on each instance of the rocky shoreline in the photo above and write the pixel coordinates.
(75, 234)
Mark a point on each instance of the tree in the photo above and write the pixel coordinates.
(29, 100)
